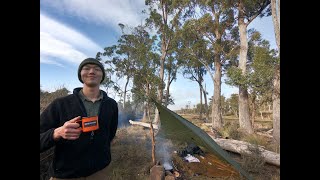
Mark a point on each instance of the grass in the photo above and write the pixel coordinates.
(131, 154)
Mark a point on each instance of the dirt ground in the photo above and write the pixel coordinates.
(131, 152)
(131, 159)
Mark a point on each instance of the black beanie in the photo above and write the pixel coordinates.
(90, 61)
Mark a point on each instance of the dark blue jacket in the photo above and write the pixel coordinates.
(87, 154)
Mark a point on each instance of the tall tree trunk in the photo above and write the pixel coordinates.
(216, 105)
(168, 88)
(160, 87)
(276, 105)
(235, 112)
(148, 102)
(125, 93)
(253, 113)
(275, 9)
(205, 103)
(200, 90)
(153, 151)
(244, 114)
(144, 118)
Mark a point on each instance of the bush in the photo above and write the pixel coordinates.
(230, 130)
(253, 162)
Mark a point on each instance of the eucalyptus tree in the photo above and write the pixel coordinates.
(215, 25)
(122, 60)
(191, 48)
(247, 10)
(164, 18)
(196, 72)
(171, 67)
(258, 77)
(275, 7)
(262, 62)
(145, 81)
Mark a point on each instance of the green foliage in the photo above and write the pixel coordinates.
(257, 7)
(225, 109)
(236, 78)
(233, 103)
(260, 69)
(230, 130)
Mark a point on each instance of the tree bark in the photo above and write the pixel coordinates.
(276, 106)
(160, 87)
(168, 89)
(144, 118)
(241, 147)
(153, 145)
(216, 104)
(275, 9)
(200, 90)
(148, 103)
(205, 103)
(253, 113)
(143, 124)
(125, 92)
(244, 114)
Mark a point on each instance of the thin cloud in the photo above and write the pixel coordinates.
(102, 12)
(59, 42)
(47, 60)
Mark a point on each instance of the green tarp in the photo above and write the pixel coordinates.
(175, 127)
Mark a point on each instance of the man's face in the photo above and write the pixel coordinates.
(91, 75)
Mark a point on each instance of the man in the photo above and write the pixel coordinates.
(82, 151)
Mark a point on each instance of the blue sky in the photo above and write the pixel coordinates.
(72, 30)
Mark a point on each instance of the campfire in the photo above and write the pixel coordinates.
(166, 170)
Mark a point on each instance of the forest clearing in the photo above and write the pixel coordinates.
(223, 135)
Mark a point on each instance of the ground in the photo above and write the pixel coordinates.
(131, 156)
(131, 152)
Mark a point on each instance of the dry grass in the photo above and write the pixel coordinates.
(256, 139)
(253, 163)
(131, 154)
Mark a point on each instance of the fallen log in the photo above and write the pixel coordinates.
(242, 147)
(235, 146)
(143, 124)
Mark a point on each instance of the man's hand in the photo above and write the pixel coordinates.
(70, 130)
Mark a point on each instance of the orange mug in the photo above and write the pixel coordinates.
(89, 123)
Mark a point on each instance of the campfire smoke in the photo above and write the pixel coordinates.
(167, 166)
(164, 151)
